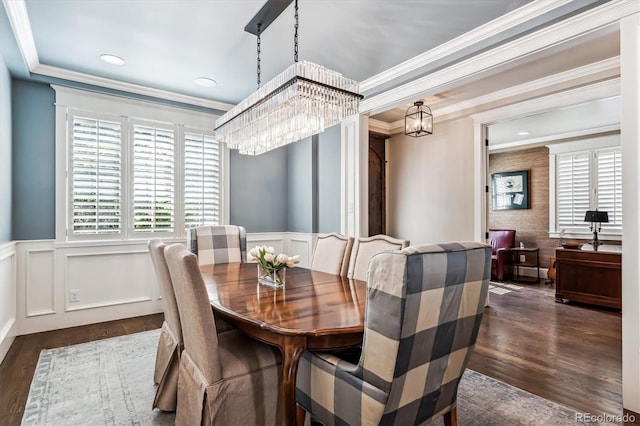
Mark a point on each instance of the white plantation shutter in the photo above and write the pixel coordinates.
(589, 180)
(134, 173)
(573, 190)
(609, 193)
(201, 180)
(153, 179)
(96, 176)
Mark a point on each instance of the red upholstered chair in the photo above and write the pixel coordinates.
(501, 241)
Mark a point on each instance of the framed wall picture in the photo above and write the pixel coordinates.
(510, 190)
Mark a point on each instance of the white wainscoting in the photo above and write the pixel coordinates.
(110, 281)
(291, 243)
(8, 323)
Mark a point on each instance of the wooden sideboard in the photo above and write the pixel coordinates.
(593, 277)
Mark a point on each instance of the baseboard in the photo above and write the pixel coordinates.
(7, 336)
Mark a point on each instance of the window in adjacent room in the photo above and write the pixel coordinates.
(587, 179)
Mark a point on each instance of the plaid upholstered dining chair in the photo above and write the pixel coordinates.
(424, 308)
(364, 248)
(331, 254)
(218, 244)
(224, 378)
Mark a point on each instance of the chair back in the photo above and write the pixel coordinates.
(196, 316)
(423, 312)
(171, 316)
(218, 244)
(501, 238)
(331, 254)
(364, 248)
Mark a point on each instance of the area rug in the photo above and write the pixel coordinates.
(110, 382)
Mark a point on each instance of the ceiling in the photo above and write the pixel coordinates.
(168, 43)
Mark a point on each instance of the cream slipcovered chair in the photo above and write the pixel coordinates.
(170, 343)
(226, 378)
(331, 254)
(363, 250)
(218, 244)
(423, 312)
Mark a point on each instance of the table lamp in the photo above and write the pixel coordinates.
(595, 219)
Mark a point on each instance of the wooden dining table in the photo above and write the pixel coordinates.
(314, 311)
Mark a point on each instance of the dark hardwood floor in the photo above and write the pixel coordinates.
(570, 354)
(16, 371)
(567, 353)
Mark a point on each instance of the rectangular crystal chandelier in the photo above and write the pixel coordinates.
(300, 102)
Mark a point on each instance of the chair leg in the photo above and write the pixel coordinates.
(451, 418)
(300, 415)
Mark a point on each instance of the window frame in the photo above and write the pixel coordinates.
(591, 146)
(70, 102)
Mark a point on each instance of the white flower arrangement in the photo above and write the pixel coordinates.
(271, 262)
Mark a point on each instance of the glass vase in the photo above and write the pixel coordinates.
(272, 278)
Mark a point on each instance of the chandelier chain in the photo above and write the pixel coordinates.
(258, 48)
(295, 35)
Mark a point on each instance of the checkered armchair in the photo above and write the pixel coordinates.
(218, 244)
(424, 307)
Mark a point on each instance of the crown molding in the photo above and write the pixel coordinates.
(490, 29)
(65, 74)
(530, 143)
(610, 66)
(380, 124)
(21, 26)
(597, 18)
(19, 19)
(599, 90)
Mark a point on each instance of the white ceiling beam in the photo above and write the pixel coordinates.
(609, 67)
(597, 18)
(503, 23)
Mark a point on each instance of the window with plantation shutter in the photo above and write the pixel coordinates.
(153, 179)
(201, 180)
(589, 180)
(573, 189)
(609, 190)
(96, 176)
(134, 170)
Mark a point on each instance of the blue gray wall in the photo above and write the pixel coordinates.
(328, 163)
(294, 188)
(5, 153)
(300, 177)
(33, 161)
(258, 191)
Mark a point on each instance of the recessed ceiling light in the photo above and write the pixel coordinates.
(205, 82)
(112, 59)
(524, 133)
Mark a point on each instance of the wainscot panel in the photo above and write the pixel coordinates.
(8, 328)
(66, 285)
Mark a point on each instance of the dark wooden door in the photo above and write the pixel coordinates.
(377, 201)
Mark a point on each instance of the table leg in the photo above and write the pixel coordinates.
(291, 351)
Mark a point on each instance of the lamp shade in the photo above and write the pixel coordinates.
(596, 216)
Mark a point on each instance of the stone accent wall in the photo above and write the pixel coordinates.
(532, 224)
